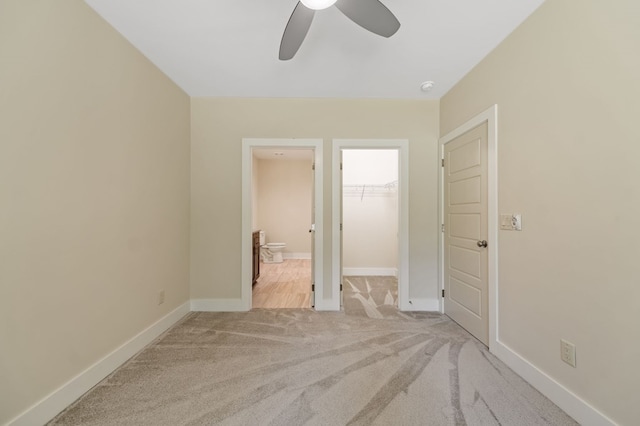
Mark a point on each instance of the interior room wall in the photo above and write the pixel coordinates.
(369, 212)
(218, 126)
(285, 189)
(566, 86)
(94, 189)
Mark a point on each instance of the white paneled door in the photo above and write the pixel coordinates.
(466, 233)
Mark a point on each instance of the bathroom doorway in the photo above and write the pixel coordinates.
(279, 207)
(283, 201)
(370, 231)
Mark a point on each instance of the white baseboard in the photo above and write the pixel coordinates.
(49, 407)
(572, 404)
(219, 305)
(370, 272)
(415, 304)
(296, 255)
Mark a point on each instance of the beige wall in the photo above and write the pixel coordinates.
(218, 126)
(566, 84)
(94, 195)
(369, 212)
(370, 231)
(285, 188)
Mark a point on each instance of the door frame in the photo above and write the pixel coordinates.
(490, 116)
(402, 145)
(247, 208)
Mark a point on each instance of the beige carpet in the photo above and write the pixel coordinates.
(295, 367)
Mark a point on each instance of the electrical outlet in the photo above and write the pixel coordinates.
(568, 352)
(160, 297)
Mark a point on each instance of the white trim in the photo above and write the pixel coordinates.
(218, 305)
(427, 305)
(296, 255)
(573, 405)
(490, 116)
(246, 276)
(51, 405)
(371, 272)
(402, 145)
(322, 304)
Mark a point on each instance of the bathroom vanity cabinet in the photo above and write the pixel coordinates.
(256, 257)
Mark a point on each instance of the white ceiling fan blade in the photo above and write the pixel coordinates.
(295, 31)
(370, 15)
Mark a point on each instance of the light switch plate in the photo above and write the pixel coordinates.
(516, 220)
(505, 222)
(511, 222)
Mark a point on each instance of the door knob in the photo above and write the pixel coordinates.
(482, 243)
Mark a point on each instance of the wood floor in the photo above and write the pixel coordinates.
(288, 285)
(283, 285)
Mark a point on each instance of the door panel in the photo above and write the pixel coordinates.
(465, 157)
(466, 295)
(465, 191)
(465, 261)
(465, 226)
(465, 204)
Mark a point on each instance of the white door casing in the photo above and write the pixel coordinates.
(474, 269)
(312, 231)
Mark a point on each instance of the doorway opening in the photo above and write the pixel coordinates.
(281, 191)
(282, 216)
(370, 231)
(370, 223)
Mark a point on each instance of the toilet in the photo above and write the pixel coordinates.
(272, 252)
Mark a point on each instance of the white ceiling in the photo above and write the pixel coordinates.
(229, 48)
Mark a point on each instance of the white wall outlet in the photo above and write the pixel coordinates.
(160, 297)
(568, 352)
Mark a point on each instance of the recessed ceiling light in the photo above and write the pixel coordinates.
(426, 86)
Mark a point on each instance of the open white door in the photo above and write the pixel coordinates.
(312, 231)
(466, 232)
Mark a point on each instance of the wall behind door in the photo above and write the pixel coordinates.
(284, 191)
(370, 212)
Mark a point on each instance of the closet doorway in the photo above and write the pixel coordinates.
(370, 231)
(370, 216)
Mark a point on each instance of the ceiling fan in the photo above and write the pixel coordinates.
(369, 14)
